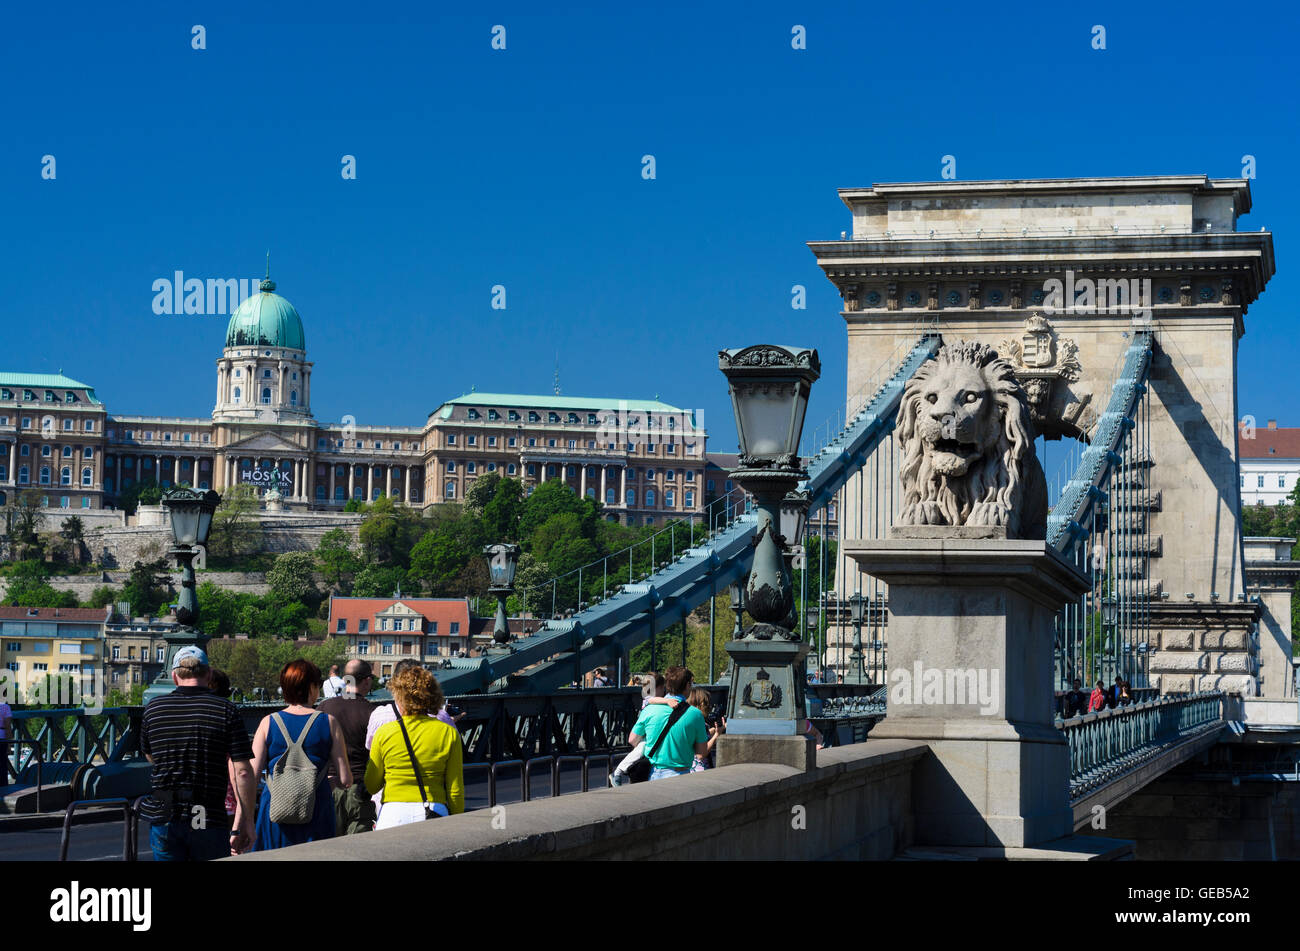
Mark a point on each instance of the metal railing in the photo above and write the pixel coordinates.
(1109, 743)
(72, 735)
(130, 824)
(527, 768)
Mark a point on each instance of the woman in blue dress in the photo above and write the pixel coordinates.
(301, 683)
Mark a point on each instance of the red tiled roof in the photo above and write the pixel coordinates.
(53, 614)
(1270, 444)
(441, 610)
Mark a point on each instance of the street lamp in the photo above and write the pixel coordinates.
(737, 608)
(857, 611)
(769, 387)
(190, 517)
(502, 561)
(812, 627)
(1109, 616)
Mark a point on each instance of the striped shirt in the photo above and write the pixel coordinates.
(189, 734)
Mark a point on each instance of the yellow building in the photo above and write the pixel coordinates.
(36, 642)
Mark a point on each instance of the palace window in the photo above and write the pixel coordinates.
(471, 440)
(473, 414)
(668, 498)
(649, 498)
(45, 475)
(451, 490)
(533, 417)
(670, 448)
(45, 450)
(451, 439)
(471, 468)
(690, 500)
(90, 425)
(67, 452)
(451, 465)
(532, 441)
(690, 476)
(86, 476)
(573, 417)
(573, 444)
(552, 417)
(550, 443)
(513, 416)
(293, 397)
(1261, 481)
(266, 394)
(492, 440)
(28, 395)
(235, 399)
(591, 419)
(49, 396)
(491, 467)
(22, 474)
(510, 468)
(511, 441)
(609, 496)
(670, 475)
(493, 415)
(532, 468)
(631, 497)
(266, 374)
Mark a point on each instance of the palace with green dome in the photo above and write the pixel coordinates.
(643, 459)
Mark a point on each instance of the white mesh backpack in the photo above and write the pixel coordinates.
(294, 778)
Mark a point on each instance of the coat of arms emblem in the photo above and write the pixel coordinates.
(761, 693)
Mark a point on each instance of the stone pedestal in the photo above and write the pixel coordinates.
(799, 752)
(970, 674)
(765, 703)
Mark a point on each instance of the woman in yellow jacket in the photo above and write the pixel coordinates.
(437, 755)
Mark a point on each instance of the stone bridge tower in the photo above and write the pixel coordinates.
(1001, 262)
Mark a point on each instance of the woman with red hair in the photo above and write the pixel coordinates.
(318, 735)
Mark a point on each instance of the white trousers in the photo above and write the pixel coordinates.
(401, 813)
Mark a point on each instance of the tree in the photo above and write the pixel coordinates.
(501, 513)
(552, 498)
(73, 533)
(29, 587)
(21, 519)
(292, 578)
(335, 557)
(354, 505)
(453, 542)
(235, 527)
(141, 492)
(378, 581)
(481, 491)
(103, 596)
(147, 588)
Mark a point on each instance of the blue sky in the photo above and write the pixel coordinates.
(522, 168)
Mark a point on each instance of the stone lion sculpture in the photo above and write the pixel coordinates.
(968, 446)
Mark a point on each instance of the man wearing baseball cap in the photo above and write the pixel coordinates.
(195, 741)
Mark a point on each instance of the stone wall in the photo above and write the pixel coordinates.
(855, 805)
(121, 547)
(1204, 646)
(1179, 817)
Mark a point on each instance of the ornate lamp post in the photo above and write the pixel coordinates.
(737, 608)
(857, 674)
(190, 512)
(812, 630)
(1109, 614)
(769, 393)
(502, 561)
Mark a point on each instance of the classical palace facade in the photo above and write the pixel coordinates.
(642, 458)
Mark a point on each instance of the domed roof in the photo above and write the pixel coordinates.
(265, 320)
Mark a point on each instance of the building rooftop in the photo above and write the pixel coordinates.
(12, 378)
(54, 614)
(431, 609)
(525, 401)
(1270, 443)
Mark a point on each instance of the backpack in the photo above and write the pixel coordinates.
(293, 780)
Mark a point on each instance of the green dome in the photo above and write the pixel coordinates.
(265, 320)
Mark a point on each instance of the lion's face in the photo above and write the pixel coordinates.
(958, 419)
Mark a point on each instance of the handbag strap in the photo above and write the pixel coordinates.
(419, 779)
(678, 712)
